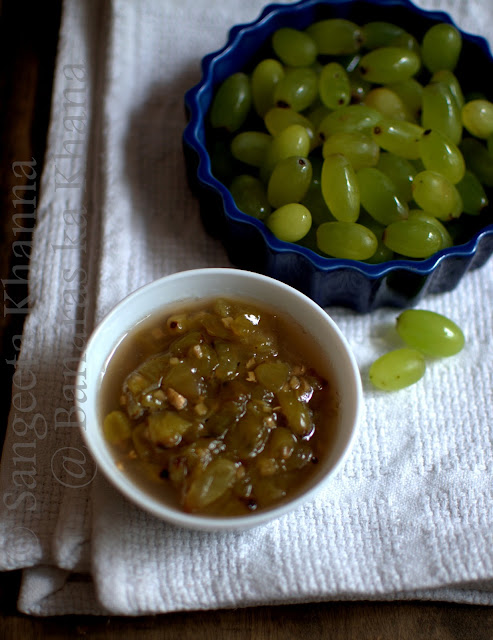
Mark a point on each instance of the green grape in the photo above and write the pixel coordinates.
(335, 36)
(411, 93)
(294, 48)
(434, 193)
(333, 86)
(397, 369)
(400, 171)
(313, 199)
(359, 87)
(477, 118)
(407, 41)
(205, 488)
(292, 141)
(440, 154)
(316, 205)
(382, 252)
(277, 119)
(250, 196)
(427, 217)
(250, 147)
(474, 198)
(413, 238)
(478, 160)
(380, 34)
(289, 181)
(354, 117)
(340, 188)
(264, 79)
(387, 102)
(449, 79)
(389, 64)
(378, 196)
(441, 47)
(348, 240)
(231, 103)
(290, 223)
(430, 333)
(441, 112)
(315, 114)
(399, 137)
(360, 149)
(117, 427)
(297, 89)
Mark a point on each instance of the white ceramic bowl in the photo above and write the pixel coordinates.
(192, 286)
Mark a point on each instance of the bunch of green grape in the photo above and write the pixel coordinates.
(356, 140)
(425, 334)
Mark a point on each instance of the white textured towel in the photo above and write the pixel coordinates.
(410, 514)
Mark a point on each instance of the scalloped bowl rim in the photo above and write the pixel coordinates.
(205, 177)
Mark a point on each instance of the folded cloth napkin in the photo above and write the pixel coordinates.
(410, 514)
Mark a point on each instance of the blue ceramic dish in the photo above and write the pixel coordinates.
(250, 245)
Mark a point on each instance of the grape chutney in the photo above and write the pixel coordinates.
(223, 405)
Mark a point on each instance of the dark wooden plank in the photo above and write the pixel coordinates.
(28, 36)
(351, 621)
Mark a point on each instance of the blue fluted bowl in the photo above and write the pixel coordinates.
(249, 243)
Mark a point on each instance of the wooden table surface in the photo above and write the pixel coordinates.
(28, 39)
